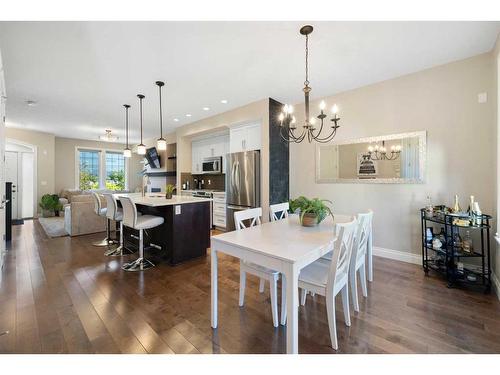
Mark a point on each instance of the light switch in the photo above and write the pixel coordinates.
(482, 97)
(178, 210)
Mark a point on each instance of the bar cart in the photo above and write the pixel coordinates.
(460, 264)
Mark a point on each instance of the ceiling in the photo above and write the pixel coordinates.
(81, 73)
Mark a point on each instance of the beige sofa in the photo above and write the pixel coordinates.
(79, 215)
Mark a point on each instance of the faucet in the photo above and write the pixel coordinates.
(144, 184)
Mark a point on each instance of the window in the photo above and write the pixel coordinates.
(115, 171)
(89, 169)
(101, 169)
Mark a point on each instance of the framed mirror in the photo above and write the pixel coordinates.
(395, 158)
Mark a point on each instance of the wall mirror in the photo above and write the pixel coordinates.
(395, 158)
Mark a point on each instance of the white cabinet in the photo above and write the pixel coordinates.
(208, 147)
(245, 138)
(196, 157)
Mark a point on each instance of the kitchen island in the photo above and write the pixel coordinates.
(185, 233)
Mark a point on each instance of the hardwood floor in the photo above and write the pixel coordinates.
(63, 296)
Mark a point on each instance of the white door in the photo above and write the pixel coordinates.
(26, 185)
(11, 176)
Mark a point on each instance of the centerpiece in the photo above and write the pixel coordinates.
(311, 211)
(169, 190)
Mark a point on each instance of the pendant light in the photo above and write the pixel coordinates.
(161, 143)
(126, 152)
(141, 147)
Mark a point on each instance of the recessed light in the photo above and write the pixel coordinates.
(223, 101)
(176, 119)
(31, 103)
(188, 115)
(206, 109)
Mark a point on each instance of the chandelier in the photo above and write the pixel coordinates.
(108, 137)
(380, 152)
(288, 127)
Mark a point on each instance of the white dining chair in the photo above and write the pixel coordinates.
(278, 211)
(339, 218)
(329, 277)
(253, 217)
(359, 255)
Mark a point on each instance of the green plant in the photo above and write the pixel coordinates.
(169, 189)
(315, 207)
(50, 202)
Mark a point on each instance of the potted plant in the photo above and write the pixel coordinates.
(169, 190)
(50, 205)
(311, 211)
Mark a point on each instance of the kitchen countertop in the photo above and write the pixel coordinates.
(158, 199)
(205, 190)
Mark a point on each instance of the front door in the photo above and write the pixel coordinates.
(11, 175)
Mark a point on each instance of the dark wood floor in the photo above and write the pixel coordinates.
(63, 296)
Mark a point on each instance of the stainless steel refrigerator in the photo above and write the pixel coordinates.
(242, 183)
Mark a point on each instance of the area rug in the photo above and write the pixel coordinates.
(53, 226)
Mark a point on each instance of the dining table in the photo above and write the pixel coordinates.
(284, 246)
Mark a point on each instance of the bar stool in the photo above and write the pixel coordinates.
(132, 220)
(102, 211)
(115, 213)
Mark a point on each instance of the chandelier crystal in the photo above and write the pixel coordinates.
(310, 129)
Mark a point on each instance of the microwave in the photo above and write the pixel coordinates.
(212, 165)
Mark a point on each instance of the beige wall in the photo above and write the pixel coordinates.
(65, 161)
(460, 139)
(496, 98)
(254, 111)
(45, 156)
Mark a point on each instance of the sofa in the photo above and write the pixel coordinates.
(79, 215)
(80, 218)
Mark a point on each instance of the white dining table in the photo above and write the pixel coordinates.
(284, 246)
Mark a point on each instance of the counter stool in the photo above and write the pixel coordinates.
(99, 210)
(115, 213)
(132, 220)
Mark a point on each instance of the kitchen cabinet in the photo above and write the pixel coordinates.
(245, 138)
(208, 147)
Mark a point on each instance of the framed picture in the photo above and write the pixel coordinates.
(366, 167)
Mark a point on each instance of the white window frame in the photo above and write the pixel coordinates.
(102, 165)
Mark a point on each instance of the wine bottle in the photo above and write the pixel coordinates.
(456, 206)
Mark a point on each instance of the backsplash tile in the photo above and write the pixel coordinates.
(217, 182)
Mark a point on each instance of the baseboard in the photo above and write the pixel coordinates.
(496, 284)
(402, 256)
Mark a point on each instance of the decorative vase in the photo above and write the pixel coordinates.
(47, 213)
(168, 195)
(309, 220)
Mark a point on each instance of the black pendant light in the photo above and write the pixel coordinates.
(141, 147)
(161, 143)
(126, 152)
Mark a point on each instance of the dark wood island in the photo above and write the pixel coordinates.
(185, 233)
